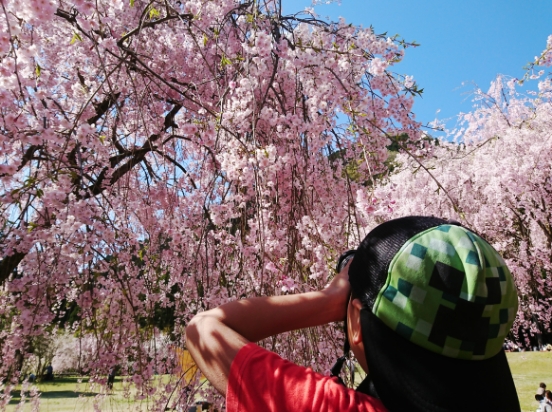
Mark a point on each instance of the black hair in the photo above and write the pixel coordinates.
(368, 271)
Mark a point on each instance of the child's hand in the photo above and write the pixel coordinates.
(339, 290)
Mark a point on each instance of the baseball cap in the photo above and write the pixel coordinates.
(438, 302)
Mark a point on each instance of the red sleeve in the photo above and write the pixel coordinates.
(262, 381)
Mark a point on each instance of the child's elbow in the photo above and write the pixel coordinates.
(193, 332)
(200, 327)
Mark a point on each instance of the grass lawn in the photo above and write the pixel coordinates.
(529, 369)
(66, 394)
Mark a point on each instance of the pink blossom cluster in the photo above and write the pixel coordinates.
(495, 177)
(546, 57)
(157, 160)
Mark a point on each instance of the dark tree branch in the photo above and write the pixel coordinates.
(153, 24)
(169, 118)
(8, 265)
(102, 107)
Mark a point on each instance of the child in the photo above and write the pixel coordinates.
(539, 396)
(428, 305)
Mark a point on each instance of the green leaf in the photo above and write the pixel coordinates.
(153, 13)
(225, 61)
(29, 182)
(205, 39)
(131, 3)
(76, 37)
(38, 69)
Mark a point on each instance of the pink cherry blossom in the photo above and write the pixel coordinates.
(495, 178)
(159, 160)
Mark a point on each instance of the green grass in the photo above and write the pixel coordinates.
(529, 369)
(67, 395)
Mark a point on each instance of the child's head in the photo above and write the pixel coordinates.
(437, 302)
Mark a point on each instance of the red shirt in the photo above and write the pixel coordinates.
(262, 381)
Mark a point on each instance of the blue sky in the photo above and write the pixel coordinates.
(464, 43)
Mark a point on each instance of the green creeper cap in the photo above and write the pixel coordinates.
(437, 303)
(448, 291)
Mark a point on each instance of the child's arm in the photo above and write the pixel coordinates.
(214, 337)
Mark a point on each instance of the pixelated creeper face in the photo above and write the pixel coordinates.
(449, 291)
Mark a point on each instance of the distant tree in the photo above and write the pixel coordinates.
(496, 178)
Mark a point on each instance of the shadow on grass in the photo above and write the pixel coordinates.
(55, 395)
(61, 388)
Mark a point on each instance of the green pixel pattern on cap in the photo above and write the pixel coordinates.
(450, 292)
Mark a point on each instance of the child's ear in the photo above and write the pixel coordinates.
(356, 329)
(355, 333)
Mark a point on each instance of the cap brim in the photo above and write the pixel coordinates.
(410, 378)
